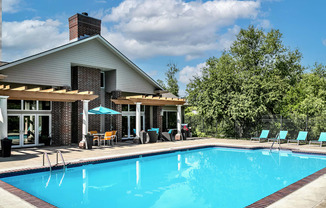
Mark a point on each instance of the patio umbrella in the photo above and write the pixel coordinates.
(103, 110)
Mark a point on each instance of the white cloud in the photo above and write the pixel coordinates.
(28, 37)
(146, 28)
(263, 23)
(152, 73)
(188, 72)
(324, 42)
(10, 6)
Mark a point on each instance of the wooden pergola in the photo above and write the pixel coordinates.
(62, 95)
(149, 100)
(153, 101)
(23, 93)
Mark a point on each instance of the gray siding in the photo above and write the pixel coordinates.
(110, 81)
(55, 69)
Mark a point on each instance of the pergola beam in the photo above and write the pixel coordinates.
(22, 93)
(149, 100)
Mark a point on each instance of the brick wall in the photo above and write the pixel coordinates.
(85, 79)
(80, 25)
(61, 123)
(157, 118)
(116, 119)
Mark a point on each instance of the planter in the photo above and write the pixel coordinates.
(89, 140)
(6, 147)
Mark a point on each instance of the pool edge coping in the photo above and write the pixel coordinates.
(264, 202)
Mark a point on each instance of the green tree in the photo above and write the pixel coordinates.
(247, 81)
(171, 82)
(161, 83)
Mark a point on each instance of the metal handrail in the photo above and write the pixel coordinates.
(47, 157)
(63, 161)
(278, 141)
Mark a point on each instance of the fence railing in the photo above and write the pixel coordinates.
(233, 129)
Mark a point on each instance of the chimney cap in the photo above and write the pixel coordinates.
(85, 13)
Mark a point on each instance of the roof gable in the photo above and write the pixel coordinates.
(68, 46)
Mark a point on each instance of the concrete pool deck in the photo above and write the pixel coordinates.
(311, 195)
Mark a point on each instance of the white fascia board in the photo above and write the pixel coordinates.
(44, 53)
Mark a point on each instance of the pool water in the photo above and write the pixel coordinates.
(208, 177)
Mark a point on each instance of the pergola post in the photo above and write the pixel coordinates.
(179, 119)
(85, 120)
(3, 117)
(138, 119)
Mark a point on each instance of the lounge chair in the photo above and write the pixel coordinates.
(280, 136)
(166, 136)
(302, 136)
(263, 136)
(322, 138)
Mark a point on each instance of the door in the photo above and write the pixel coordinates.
(129, 124)
(14, 131)
(44, 128)
(29, 127)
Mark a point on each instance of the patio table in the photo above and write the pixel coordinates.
(99, 135)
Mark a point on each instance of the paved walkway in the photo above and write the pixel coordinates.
(32, 157)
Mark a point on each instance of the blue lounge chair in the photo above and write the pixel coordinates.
(263, 136)
(280, 136)
(322, 138)
(302, 136)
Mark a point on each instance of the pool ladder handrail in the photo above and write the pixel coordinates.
(57, 160)
(279, 143)
(48, 159)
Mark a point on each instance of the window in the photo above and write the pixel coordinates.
(29, 105)
(102, 79)
(132, 107)
(44, 105)
(124, 107)
(14, 104)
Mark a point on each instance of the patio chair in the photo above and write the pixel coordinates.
(263, 136)
(166, 136)
(172, 133)
(107, 137)
(96, 138)
(302, 136)
(152, 136)
(280, 136)
(322, 138)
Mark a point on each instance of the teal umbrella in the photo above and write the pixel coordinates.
(103, 110)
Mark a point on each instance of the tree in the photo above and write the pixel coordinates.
(161, 83)
(247, 81)
(171, 80)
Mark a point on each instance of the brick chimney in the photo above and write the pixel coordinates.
(81, 26)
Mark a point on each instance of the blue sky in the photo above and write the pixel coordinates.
(153, 33)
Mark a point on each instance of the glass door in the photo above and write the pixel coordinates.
(29, 125)
(14, 131)
(129, 124)
(44, 130)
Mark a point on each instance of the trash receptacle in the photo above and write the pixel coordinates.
(6, 147)
(89, 140)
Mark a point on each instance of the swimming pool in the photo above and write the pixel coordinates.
(207, 177)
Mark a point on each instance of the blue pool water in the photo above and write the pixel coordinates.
(209, 177)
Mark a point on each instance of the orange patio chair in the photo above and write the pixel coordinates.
(107, 136)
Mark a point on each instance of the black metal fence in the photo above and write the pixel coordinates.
(275, 123)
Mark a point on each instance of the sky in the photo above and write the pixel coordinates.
(154, 33)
